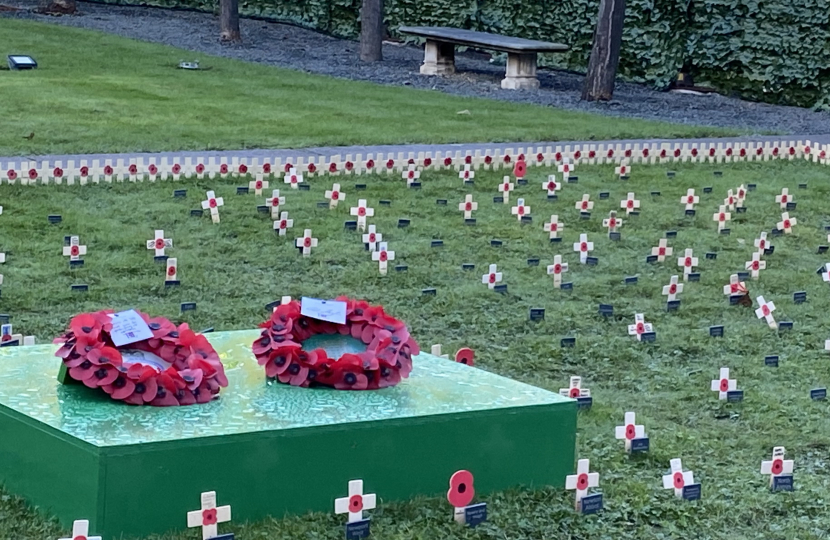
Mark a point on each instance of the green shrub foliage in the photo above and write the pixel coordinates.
(776, 51)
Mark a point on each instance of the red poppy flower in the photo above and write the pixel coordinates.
(107, 170)
(465, 356)
(390, 164)
(506, 158)
(557, 156)
(461, 490)
(153, 170)
(243, 169)
(759, 151)
(628, 152)
(349, 165)
(177, 168)
(792, 151)
(468, 159)
(677, 152)
(645, 152)
(822, 155)
(85, 327)
(610, 153)
(488, 160)
(133, 169)
(729, 151)
(711, 152)
(287, 167)
(663, 153)
(694, 152)
(199, 169)
(577, 155)
(32, 174)
(775, 151)
(223, 168)
(592, 154)
(12, 174)
(540, 157)
(58, 172)
(332, 167)
(743, 152)
(806, 149)
(427, 162)
(520, 169)
(266, 168)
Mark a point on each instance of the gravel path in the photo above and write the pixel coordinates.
(296, 48)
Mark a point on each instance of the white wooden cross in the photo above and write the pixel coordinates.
(778, 465)
(258, 185)
(761, 242)
(209, 516)
(293, 178)
(765, 310)
(825, 276)
(721, 216)
(283, 223)
(468, 206)
(435, 350)
(581, 481)
(566, 169)
(492, 277)
(520, 209)
(381, 256)
(672, 289)
(306, 242)
(273, 202)
(372, 238)
(554, 226)
(623, 170)
(740, 196)
(356, 502)
(630, 204)
(334, 195)
(724, 384)
(612, 222)
(629, 430)
(551, 185)
(784, 198)
(80, 531)
(688, 262)
(411, 174)
(662, 250)
(172, 270)
(583, 247)
(574, 389)
(729, 201)
(735, 286)
(362, 212)
(756, 265)
(585, 204)
(786, 223)
(677, 479)
(466, 173)
(159, 243)
(639, 327)
(505, 188)
(690, 199)
(557, 269)
(74, 250)
(213, 203)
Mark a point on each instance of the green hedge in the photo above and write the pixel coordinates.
(776, 51)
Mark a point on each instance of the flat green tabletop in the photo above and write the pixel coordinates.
(28, 385)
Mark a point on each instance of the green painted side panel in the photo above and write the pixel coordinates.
(269, 449)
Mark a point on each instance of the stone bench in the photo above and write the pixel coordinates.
(439, 53)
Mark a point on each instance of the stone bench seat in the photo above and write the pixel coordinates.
(439, 52)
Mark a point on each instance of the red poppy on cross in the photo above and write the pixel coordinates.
(283, 223)
(334, 195)
(554, 226)
(159, 242)
(209, 516)
(80, 531)
(556, 270)
(581, 481)
(629, 430)
(362, 212)
(677, 479)
(355, 503)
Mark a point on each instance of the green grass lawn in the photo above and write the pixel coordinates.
(95, 92)
(234, 268)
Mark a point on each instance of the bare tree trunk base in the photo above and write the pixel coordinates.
(229, 21)
(605, 53)
(371, 31)
(59, 7)
(230, 37)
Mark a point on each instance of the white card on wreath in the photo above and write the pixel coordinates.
(128, 327)
(324, 310)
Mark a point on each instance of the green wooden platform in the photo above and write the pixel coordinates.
(268, 449)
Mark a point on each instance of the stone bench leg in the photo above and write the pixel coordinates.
(439, 58)
(521, 72)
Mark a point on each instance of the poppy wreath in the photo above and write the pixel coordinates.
(386, 360)
(194, 376)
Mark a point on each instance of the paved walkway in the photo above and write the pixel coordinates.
(325, 152)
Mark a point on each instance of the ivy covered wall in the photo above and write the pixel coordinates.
(776, 51)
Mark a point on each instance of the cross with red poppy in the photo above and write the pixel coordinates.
(283, 223)
(334, 195)
(293, 178)
(362, 211)
(372, 238)
(159, 243)
(411, 174)
(273, 202)
(74, 250)
(623, 170)
(505, 188)
(258, 185)
(466, 174)
(778, 466)
(356, 502)
(520, 210)
(306, 242)
(786, 223)
(213, 203)
(566, 169)
(209, 516)
(581, 481)
(735, 286)
(381, 256)
(629, 430)
(170, 277)
(80, 531)
(574, 389)
(677, 479)
(554, 226)
(723, 384)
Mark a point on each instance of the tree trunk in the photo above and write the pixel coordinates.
(371, 31)
(60, 7)
(605, 53)
(229, 21)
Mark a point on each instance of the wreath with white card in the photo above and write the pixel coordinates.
(141, 360)
(372, 349)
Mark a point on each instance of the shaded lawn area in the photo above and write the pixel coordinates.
(95, 93)
(234, 268)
